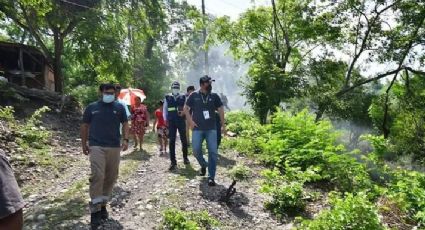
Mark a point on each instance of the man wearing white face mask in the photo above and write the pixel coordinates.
(101, 129)
(175, 120)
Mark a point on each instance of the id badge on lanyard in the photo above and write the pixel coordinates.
(206, 112)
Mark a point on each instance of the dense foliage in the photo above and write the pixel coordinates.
(302, 153)
(92, 42)
(348, 212)
(180, 220)
(328, 55)
(30, 134)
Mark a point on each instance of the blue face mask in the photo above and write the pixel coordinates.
(108, 98)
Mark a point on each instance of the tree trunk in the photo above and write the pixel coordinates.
(319, 113)
(57, 63)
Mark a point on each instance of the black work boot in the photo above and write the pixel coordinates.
(186, 161)
(104, 213)
(172, 167)
(96, 220)
(211, 182)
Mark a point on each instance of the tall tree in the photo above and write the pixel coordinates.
(275, 40)
(48, 20)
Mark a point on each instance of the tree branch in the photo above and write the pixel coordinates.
(37, 37)
(343, 91)
(370, 24)
(70, 27)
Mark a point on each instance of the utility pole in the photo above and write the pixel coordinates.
(204, 32)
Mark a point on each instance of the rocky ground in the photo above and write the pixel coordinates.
(57, 192)
(144, 190)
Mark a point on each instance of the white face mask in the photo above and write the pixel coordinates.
(175, 91)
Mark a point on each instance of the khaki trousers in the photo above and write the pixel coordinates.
(104, 164)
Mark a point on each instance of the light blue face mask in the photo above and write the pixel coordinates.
(175, 91)
(108, 98)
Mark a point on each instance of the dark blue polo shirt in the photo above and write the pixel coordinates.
(199, 104)
(104, 120)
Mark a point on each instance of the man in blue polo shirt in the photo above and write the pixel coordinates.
(200, 110)
(101, 129)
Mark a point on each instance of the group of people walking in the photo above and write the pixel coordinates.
(105, 132)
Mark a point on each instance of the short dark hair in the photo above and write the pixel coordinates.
(161, 102)
(107, 86)
(101, 87)
(118, 87)
(190, 88)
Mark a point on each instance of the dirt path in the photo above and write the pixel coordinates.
(144, 190)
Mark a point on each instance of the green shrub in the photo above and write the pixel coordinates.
(346, 173)
(85, 94)
(30, 134)
(408, 190)
(287, 196)
(239, 121)
(179, 220)
(298, 139)
(248, 130)
(351, 212)
(242, 145)
(240, 172)
(6, 114)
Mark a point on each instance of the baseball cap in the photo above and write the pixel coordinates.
(175, 85)
(205, 78)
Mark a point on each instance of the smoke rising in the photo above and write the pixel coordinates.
(225, 70)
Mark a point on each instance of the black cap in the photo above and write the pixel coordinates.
(204, 79)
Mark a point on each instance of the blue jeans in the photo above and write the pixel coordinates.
(198, 137)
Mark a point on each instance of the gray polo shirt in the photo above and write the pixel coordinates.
(10, 197)
(203, 107)
(104, 120)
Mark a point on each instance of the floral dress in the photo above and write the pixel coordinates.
(139, 119)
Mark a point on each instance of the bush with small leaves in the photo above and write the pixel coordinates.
(240, 172)
(408, 190)
(175, 219)
(349, 212)
(286, 196)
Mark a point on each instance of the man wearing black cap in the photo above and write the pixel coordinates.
(174, 118)
(200, 111)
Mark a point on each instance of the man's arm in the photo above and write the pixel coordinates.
(127, 111)
(165, 110)
(84, 133)
(125, 131)
(154, 123)
(192, 124)
(221, 113)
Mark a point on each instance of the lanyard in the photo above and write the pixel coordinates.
(206, 100)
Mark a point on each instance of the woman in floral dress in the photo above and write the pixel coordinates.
(139, 121)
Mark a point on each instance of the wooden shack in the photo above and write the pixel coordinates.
(25, 66)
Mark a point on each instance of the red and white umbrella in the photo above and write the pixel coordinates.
(129, 95)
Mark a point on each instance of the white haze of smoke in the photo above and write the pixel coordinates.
(227, 73)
